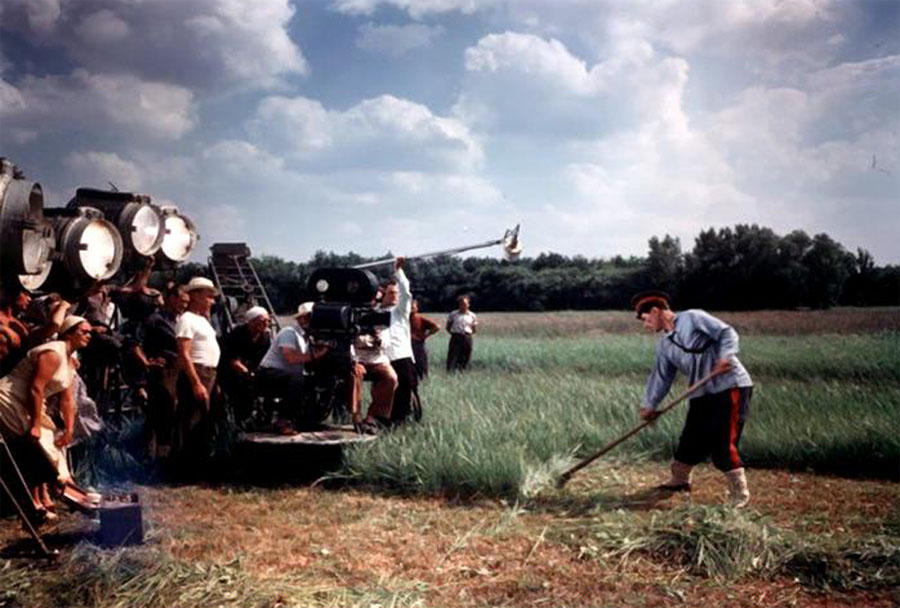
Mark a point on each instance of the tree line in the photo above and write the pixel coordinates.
(747, 267)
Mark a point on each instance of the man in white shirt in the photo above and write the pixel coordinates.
(397, 299)
(371, 362)
(281, 372)
(462, 324)
(198, 356)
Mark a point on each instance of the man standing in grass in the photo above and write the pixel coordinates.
(461, 323)
(697, 344)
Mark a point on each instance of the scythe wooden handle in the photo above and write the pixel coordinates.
(567, 474)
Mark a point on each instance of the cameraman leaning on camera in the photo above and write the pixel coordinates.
(280, 373)
(397, 299)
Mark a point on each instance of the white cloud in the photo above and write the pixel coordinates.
(86, 102)
(522, 83)
(102, 28)
(383, 133)
(97, 169)
(416, 8)
(201, 43)
(396, 40)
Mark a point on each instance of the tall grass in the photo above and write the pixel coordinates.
(822, 403)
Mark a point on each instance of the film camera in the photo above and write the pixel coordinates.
(344, 311)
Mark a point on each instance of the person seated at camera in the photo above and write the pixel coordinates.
(372, 363)
(280, 374)
(242, 351)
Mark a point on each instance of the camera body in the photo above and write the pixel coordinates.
(345, 310)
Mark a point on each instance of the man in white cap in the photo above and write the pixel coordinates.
(242, 350)
(280, 373)
(198, 357)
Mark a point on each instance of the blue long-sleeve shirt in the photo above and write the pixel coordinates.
(693, 347)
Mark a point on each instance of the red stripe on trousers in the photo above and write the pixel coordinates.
(733, 431)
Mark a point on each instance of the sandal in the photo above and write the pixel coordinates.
(81, 500)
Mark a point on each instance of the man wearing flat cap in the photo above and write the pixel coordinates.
(697, 344)
(198, 357)
(281, 371)
(242, 350)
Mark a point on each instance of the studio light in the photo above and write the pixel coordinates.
(180, 235)
(89, 246)
(140, 223)
(26, 237)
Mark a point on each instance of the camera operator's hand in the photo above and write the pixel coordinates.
(365, 341)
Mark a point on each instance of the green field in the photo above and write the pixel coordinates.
(824, 402)
(459, 510)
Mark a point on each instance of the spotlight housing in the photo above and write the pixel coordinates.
(89, 246)
(140, 223)
(26, 237)
(180, 235)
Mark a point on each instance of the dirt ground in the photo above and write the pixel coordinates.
(489, 552)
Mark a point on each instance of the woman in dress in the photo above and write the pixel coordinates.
(46, 370)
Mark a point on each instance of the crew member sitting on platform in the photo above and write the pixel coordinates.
(242, 350)
(372, 363)
(280, 373)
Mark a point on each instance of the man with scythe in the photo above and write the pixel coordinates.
(698, 344)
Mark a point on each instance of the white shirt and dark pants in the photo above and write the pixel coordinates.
(399, 350)
(461, 326)
(278, 378)
(194, 435)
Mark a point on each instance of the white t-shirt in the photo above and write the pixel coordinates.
(462, 322)
(204, 346)
(291, 337)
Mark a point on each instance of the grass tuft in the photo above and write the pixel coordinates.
(727, 545)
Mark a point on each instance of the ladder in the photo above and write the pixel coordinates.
(238, 284)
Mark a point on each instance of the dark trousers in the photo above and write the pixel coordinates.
(459, 351)
(713, 428)
(421, 356)
(406, 383)
(287, 387)
(195, 420)
(162, 408)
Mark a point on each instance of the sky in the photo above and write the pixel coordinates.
(412, 126)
